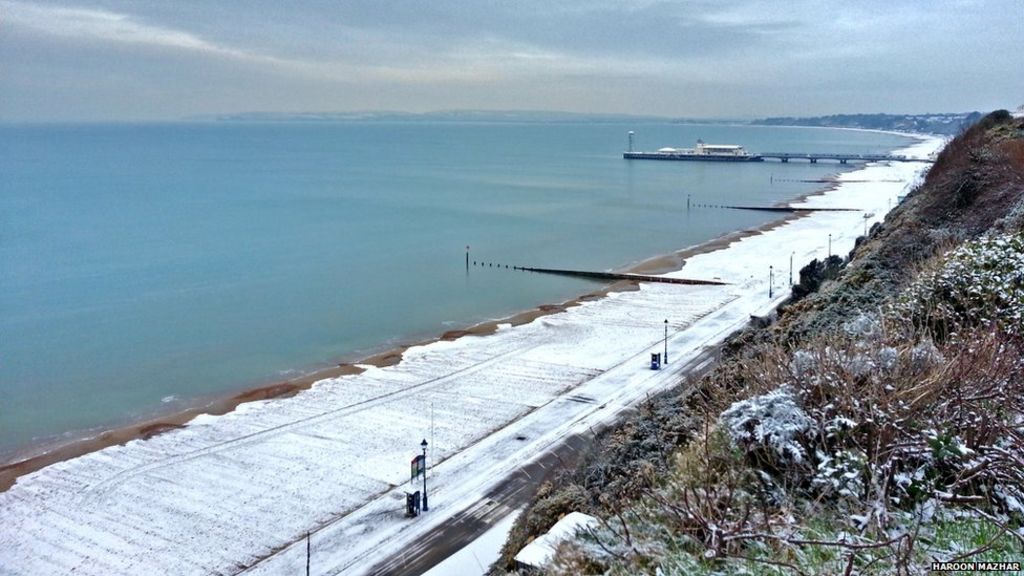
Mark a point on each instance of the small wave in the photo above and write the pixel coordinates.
(168, 399)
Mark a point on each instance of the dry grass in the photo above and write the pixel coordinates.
(903, 429)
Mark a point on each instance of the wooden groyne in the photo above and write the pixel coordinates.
(604, 275)
(788, 209)
(623, 276)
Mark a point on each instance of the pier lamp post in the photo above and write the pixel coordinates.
(791, 267)
(830, 245)
(771, 277)
(666, 341)
(424, 446)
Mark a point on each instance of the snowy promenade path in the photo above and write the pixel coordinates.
(237, 493)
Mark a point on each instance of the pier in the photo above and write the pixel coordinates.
(703, 152)
(784, 157)
(813, 158)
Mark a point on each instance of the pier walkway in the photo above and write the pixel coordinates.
(841, 158)
(784, 157)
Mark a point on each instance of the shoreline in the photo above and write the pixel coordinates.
(32, 458)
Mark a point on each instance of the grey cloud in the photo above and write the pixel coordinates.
(741, 58)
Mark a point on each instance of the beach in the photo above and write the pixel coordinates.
(237, 489)
(33, 458)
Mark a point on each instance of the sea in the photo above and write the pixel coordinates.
(145, 268)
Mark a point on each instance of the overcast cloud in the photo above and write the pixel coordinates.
(158, 59)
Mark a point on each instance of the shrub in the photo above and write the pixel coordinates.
(771, 426)
(979, 284)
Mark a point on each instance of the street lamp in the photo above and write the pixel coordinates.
(771, 277)
(791, 267)
(666, 341)
(829, 245)
(424, 446)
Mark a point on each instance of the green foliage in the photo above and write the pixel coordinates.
(979, 284)
(815, 273)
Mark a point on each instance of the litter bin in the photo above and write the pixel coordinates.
(412, 504)
(656, 361)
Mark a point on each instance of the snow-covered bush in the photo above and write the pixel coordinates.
(860, 365)
(888, 358)
(803, 366)
(772, 422)
(977, 284)
(864, 328)
(841, 474)
(924, 356)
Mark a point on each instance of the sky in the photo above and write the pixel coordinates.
(125, 60)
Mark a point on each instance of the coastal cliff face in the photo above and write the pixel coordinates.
(874, 428)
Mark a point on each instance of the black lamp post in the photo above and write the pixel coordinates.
(791, 268)
(771, 278)
(829, 245)
(666, 341)
(424, 446)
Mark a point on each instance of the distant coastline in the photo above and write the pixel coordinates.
(945, 123)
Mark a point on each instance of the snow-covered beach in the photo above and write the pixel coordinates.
(239, 492)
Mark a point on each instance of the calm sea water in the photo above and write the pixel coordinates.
(144, 266)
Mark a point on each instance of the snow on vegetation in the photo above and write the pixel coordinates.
(771, 421)
(858, 444)
(981, 282)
